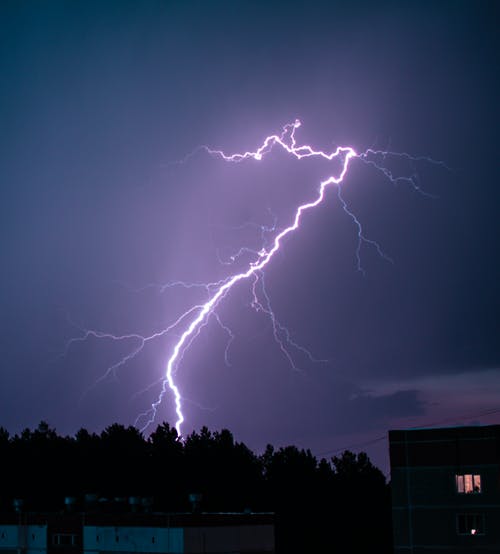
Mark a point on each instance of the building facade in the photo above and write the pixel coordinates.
(94, 533)
(446, 490)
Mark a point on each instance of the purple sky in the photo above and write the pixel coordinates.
(96, 102)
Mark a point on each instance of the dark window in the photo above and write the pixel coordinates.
(470, 524)
(153, 540)
(65, 539)
(117, 538)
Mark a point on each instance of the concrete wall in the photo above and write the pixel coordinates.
(213, 539)
(255, 539)
(133, 539)
(425, 500)
(32, 539)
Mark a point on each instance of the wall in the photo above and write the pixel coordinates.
(255, 539)
(133, 539)
(32, 539)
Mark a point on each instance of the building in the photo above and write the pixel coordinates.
(145, 533)
(446, 490)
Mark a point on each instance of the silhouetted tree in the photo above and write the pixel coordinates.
(226, 472)
(42, 461)
(338, 505)
(124, 462)
(366, 502)
(167, 476)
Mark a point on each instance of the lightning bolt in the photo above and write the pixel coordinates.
(263, 257)
(198, 316)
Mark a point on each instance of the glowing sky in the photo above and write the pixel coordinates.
(97, 101)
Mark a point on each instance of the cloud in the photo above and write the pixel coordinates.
(468, 397)
(381, 407)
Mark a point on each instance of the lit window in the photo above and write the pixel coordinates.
(468, 483)
(470, 524)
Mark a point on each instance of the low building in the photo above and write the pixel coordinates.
(446, 490)
(21, 536)
(145, 533)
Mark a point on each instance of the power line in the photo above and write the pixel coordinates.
(433, 424)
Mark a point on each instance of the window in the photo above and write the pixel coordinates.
(470, 524)
(468, 483)
(65, 539)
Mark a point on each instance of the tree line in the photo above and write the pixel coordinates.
(340, 504)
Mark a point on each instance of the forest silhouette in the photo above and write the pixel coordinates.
(340, 504)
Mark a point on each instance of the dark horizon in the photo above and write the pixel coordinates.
(348, 493)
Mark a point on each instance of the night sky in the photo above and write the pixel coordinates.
(99, 100)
